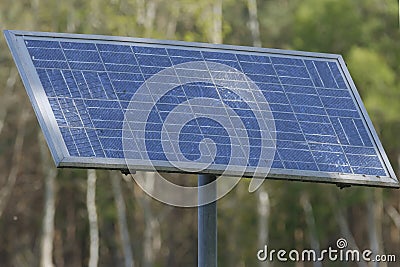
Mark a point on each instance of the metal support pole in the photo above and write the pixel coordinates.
(207, 226)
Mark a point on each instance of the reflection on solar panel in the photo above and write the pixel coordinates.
(92, 93)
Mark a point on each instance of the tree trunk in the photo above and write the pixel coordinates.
(140, 9)
(94, 17)
(216, 33)
(59, 250)
(172, 22)
(253, 22)
(312, 230)
(7, 98)
(398, 165)
(345, 229)
(6, 190)
(122, 221)
(152, 235)
(92, 215)
(72, 18)
(50, 172)
(151, 8)
(264, 209)
(375, 214)
(299, 240)
(394, 215)
(152, 230)
(71, 233)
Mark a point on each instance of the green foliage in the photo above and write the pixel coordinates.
(327, 25)
(377, 83)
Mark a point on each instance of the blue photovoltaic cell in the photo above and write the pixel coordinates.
(89, 85)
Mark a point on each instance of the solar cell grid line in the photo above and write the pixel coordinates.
(214, 78)
(203, 74)
(301, 130)
(319, 82)
(91, 93)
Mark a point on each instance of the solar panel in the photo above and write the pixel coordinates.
(105, 102)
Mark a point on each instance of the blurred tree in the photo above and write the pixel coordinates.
(377, 83)
(115, 178)
(327, 26)
(16, 162)
(93, 218)
(50, 174)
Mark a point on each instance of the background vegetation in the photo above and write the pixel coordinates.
(44, 217)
